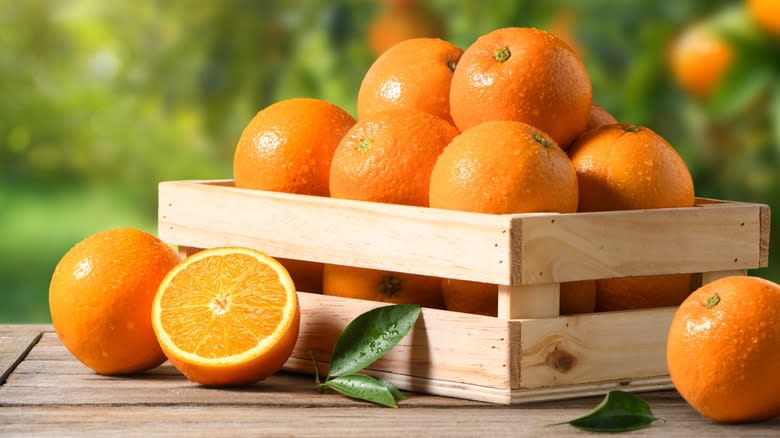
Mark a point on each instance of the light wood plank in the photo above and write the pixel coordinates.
(15, 343)
(571, 247)
(446, 346)
(528, 301)
(709, 277)
(501, 249)
(766, 221)
(594, 347)
(678, 420)
(452, 244)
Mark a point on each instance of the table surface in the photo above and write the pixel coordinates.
(45, 391)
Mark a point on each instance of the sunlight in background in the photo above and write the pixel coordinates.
(99, 101)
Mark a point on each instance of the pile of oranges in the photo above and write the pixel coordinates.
(506, 126)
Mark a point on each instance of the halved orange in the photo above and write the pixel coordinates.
(227, 316)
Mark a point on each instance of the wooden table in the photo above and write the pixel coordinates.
(45, 391)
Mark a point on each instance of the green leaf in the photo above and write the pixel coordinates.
(618, 412)
(363, 387)
(397, 395)
(371, 335)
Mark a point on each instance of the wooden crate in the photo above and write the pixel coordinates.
(529, 352)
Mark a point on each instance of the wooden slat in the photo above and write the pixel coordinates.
(501, 249)
(55, 396)
(528, 301)
(571, 247)
(709, 277)
(594, 347)
(426, 241)
(766, 219)
(446, 346)
(15, 343)
(678, 420)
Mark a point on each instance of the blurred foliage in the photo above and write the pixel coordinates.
(101, 100)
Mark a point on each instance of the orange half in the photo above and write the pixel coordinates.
(227, 316)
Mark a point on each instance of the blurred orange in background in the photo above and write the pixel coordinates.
(99, 101)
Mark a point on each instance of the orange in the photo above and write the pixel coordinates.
(562, 25)
(307, 276)
(482, 298)
(599, 117)
(626, 167)
(642, 292)
(522, 74)
(578, 297)
(504, 167)
(402, 20)
(388, 157)
(100, 298)
(766, 13)
(699, 59)
(470, 296)
(415, 74)
(379, 285)
(288, 147)
(227, 316)
(723, 349)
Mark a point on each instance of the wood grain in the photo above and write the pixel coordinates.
(528, 301)
(50, 394)
(571, 247)
(451, 347)
(469, 246)
(537, 248)
(766, 220)
(185, 421)
(594, 348)
(15, 344)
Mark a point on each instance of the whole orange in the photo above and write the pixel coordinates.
(642, 292)
(626, 167)
(723, 349)
(100, 298)
(388, 157)
(522, 74)
(766, 13)
(504, 167)
(307, 276)
(699, 59)
(379, 285)
(288, 147)
(482, 298)
(402, 20)
(415, 73)
(599, 117)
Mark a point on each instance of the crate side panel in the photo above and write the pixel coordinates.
(426, 241)
(594, 347)
(443, 346)
(583, 246)
(766, 220)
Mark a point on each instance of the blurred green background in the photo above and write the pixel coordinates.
(101, 100)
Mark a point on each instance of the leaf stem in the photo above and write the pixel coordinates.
(316, 371)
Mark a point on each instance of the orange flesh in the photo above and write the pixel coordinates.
(216, 316)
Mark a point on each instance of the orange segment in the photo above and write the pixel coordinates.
(227, 316)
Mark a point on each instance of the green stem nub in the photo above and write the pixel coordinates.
(502, 55)
(389, 285)
(541, 140)
(365, 144)
(631, 128)
(452, 65)
(712, 301)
